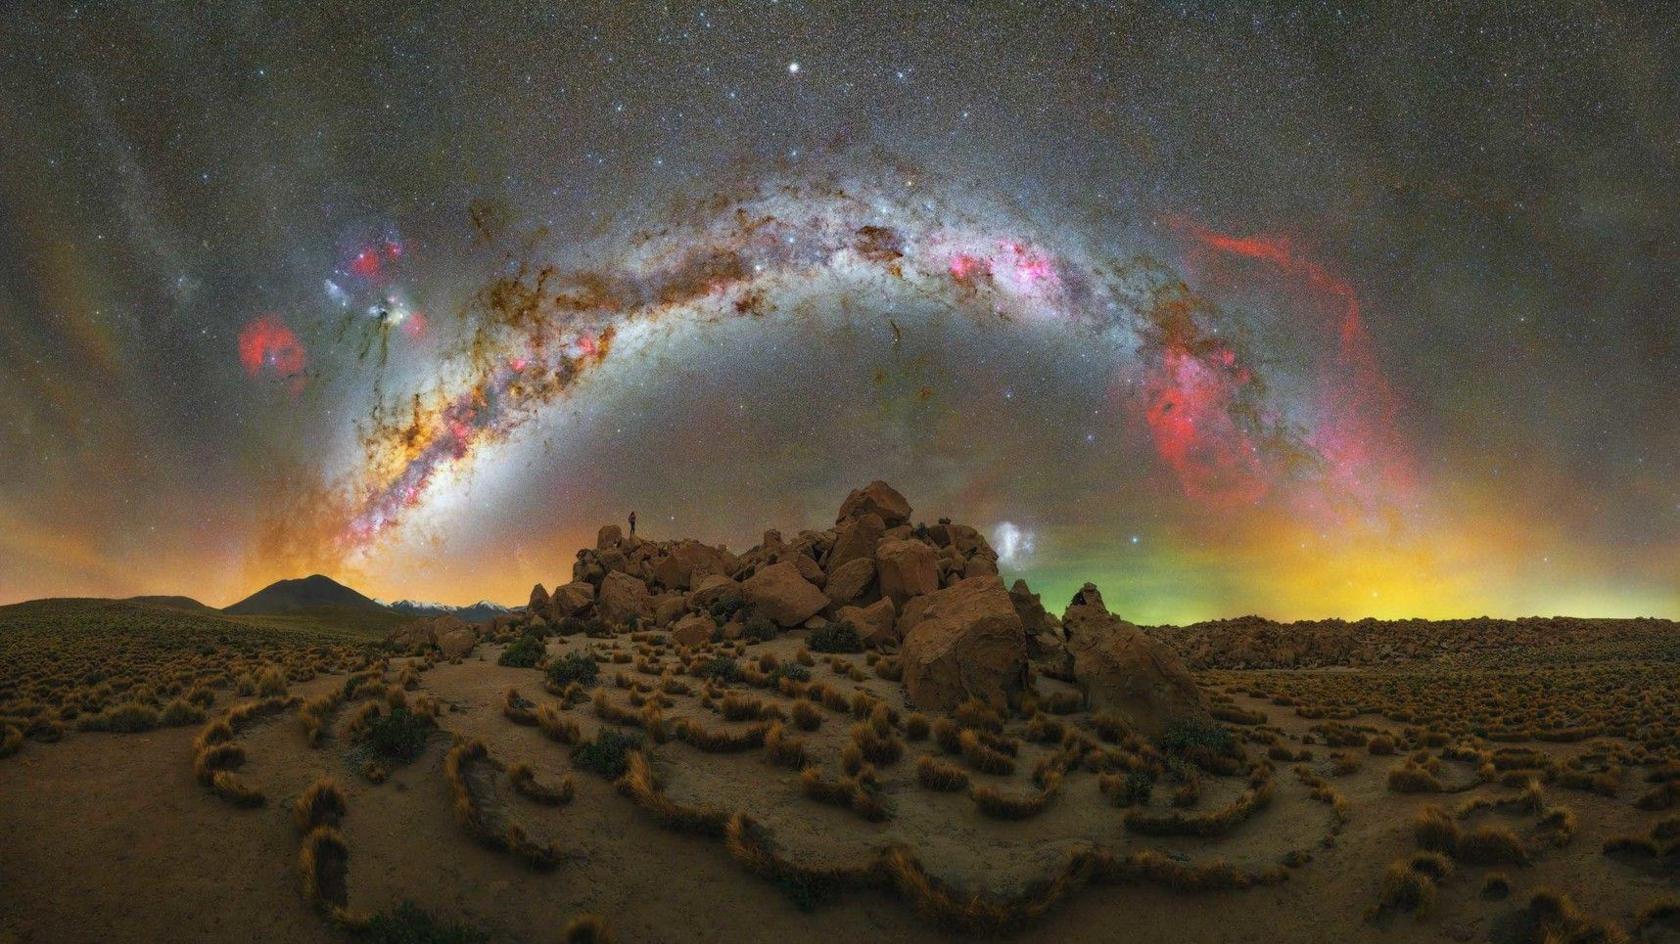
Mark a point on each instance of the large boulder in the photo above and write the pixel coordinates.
(851, 581)
(855, 539)
(1123, 671)
(781, 594)
(906, 568)
(875, 623)
(692, 630)
(689, 560)
(1044, 632)
(968, 644)
(455, 636)
(876, 498)
(539, 601)
(713, 588)
(623, 597)
(411, 636)
(610, 536)
(572, 599)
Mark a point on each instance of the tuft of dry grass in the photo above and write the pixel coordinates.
(11, 741)
(1411, 778)
(1212, 823)
(525, 783)
(981, 757)
(517, 708)
(857, 793)
(998, 805)
(783, 749)
(323, 862)
(1406, 889)
(587, 929)
(936, 774)
(1490, 845)
(1435, 831)
(556, 726)
(321, 804)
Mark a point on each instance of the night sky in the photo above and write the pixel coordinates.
(1229, 308)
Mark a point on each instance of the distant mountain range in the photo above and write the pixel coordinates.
(480, 612)
(320, 595)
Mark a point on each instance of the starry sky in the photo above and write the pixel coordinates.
(1300, 310)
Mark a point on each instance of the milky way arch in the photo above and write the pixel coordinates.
(1192, 378)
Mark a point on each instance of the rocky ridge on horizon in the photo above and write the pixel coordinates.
(930, 593)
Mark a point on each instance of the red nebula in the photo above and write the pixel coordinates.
(415, 325)
(1357, 424)
(965, 267)
(267, 345)
(1188, 406)
(370, 261)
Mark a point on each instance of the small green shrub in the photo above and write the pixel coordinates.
(838, 636)
(400, 735)
(789, 670)
(605, 754)
(1188, 734)
(525, 652)
(721, 668)
(575, 667)
(760, 629)
(410, 925)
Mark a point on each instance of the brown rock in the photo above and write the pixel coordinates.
(906, 569)
(692, 630)
(856, 539)
(623, 597)
(781, 594)
(875, 623)
(712, 588)
(667, 607)
(411, 636)
(1122, 670)
(809, 570)
(1044, 632)
(539, 601)
(588, 567)
(688, 560)
(609, 536)
(455, 637)
(877, 497)
(572, 599)
(911, 614)
(968, 644)
(849, 582)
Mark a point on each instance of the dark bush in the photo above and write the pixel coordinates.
(410, 925)
(401, 734)
(721, 668)
(605, 755)
(574, 667)
(835, 637)
(525, 652)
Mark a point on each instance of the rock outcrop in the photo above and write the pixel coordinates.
(929, 592)
(453, 637)
(968, 644)
(781, 594)
(876, 498)
(1125, 672)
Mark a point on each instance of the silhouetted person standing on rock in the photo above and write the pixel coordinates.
(632, 524)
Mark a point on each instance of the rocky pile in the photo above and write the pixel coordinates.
(1252, 642)
(931, 593)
